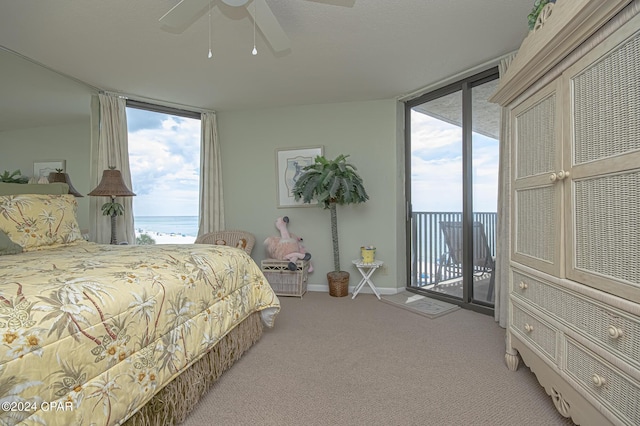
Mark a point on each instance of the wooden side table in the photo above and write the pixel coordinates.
(366, 269)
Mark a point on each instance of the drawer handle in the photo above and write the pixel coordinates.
(615, 332)
(523, 285)
(598, 380)
(528, 328)
(558, 176)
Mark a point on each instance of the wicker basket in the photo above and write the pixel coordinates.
(284, 281)
(338, 283)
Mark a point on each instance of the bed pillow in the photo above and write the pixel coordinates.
(38, 221)
(7, 246)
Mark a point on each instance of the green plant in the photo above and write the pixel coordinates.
(112, 209)
(331, 183)
(538, 5)
(13, 177)
(144, 239)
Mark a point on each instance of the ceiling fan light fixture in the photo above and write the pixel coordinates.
(179, 17)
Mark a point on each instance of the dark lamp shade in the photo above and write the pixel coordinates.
(64, 177)
(112, 185)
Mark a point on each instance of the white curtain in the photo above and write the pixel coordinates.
(110, 147)
(211, 203)
(503, 236)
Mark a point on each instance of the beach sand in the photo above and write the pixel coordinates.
(162, 238)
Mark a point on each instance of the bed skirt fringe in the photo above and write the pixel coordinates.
(172, 404)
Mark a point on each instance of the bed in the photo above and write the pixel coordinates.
(106, 334)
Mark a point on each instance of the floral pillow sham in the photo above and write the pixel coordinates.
(39, 221)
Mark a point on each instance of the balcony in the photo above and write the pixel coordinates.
(428, 245)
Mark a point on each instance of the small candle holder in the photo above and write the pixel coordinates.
(368, 254)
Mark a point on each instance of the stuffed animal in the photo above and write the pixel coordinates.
(287, 246)
(241, 244)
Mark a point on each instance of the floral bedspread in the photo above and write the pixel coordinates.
(88, 332)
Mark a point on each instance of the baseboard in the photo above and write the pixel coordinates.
(324, 288)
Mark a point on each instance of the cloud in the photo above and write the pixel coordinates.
(436, 185)
(142, 119)
(164, 157)
(430, 136)
(436, 167)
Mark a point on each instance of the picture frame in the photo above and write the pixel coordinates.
(289, 164)
(42, 168)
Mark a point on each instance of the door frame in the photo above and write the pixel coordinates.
(465, 85)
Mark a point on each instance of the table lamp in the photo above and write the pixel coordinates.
(112, 185)
(60, 176)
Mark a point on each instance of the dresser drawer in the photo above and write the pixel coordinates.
(615, 390)
(536, 331)
(616, 331)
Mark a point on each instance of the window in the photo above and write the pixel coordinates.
(164, 158)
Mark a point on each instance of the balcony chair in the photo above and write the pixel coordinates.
(234, 238)
(451, 260)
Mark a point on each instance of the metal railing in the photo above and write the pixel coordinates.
(428, 243)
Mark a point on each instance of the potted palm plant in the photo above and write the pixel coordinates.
(332, 182)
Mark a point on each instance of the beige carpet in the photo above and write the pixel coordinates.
(421, 305)
(338, 361)
(454, 288)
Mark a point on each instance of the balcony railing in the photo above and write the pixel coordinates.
(428, 243)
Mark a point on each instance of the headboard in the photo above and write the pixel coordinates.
(56, 188)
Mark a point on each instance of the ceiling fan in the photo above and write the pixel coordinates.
(185, 12)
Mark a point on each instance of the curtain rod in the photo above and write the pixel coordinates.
(452, 79)
(144, 99)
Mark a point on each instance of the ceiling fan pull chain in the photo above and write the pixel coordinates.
(254, 52)
(210, 54)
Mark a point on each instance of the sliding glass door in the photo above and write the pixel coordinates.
(436, 189)
(452, 171)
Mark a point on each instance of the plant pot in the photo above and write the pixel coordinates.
(338, 283)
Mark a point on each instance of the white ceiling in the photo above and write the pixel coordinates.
(341, 50)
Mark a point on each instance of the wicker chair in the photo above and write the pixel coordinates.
(234, 238)
(450, 263)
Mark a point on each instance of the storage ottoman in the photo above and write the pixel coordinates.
(284, 281)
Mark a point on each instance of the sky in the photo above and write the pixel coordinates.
(164, 157)
(436, 167)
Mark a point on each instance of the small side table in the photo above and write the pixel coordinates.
(366, 269)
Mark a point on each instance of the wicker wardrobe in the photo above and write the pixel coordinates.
(573, 96)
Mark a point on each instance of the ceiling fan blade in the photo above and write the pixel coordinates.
(269, 25)
(185, 13)
(343, 3)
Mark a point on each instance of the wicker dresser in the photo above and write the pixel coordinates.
(573, 96)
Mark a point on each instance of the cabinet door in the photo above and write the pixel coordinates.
(602, 135)
(537, 191)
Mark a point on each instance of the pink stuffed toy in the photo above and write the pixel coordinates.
(287, 246)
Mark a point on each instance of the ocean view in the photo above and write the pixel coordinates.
(178, 225)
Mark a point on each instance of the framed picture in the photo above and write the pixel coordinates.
(43, 168)
(289, 165)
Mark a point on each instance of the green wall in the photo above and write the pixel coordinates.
(69, 142)
(368, 132)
